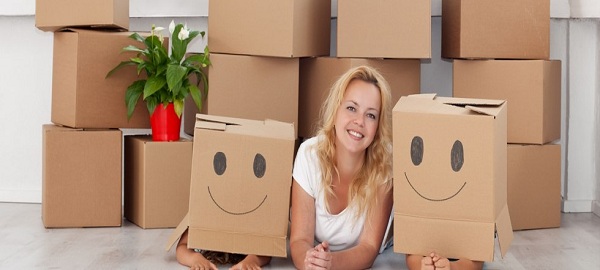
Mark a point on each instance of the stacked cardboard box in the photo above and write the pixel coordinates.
(501, 51)
(82, 151)
(255, 54)
(391, 36)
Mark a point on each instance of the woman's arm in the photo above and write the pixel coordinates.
(302, 235)
(364, 254)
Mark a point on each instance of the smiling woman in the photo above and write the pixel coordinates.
(342, 177)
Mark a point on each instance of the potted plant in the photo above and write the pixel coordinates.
(167, 81)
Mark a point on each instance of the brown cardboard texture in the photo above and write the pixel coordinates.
(81, 177)
(384, 29)
(317, 75)
(280, 28)
(254, 87)
(534, 198)
(450, 177)
(156, 181)
(509, 29)
(531, 87)
(240, 190)
(81, 96)
(53, 15)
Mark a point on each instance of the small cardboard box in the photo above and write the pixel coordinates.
(534, 186)
(450, 177)
(509, 29)
(81, 177)
(317, 75)
(254, 87)
(384, 28)
(531, 87)
(240, 190)
(81, 96)
(53, 15)
(281, 28)
(156, 181)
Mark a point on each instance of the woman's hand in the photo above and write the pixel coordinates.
(319, 257)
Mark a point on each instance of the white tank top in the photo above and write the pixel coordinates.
(342, 231)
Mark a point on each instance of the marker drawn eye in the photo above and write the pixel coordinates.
(457, 157)
(416, 150)
(259, 166)
(219, 163)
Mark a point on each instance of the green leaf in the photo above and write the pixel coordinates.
(151, 103)
(119, 66)
(196, 96)
(132, 95)
(178, 104)
(152, 85)
(136, 36)
(132, 48)
(175, 74)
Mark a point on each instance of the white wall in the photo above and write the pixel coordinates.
(26, 66)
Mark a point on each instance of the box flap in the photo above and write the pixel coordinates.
(267, 128)
(178, 232)
(504, 230)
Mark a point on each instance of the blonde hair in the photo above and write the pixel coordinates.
(376, 171)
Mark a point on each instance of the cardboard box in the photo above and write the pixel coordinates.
(534, 198)
(240, 190)
(81, 177)
(317, 75)
(53, 15)
(509, 29)
(283, 28)
(531, 87)
(450, 177)
(81, 96)
(384, 28)
(254, 87)
(157, 181)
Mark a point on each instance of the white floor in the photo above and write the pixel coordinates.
(26, 244)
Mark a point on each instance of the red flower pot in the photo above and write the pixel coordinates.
(165, 123)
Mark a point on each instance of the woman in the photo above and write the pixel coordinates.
(342, 188)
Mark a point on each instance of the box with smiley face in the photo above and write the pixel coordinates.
(240, 186)
(450, 172)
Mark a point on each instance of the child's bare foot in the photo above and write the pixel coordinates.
(427, 263)
(440, 262)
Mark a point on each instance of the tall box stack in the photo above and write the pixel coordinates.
(501, 51)
(255, 53)
(82, 149)
(391, 36)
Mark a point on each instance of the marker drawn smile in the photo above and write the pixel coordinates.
(431, 199)
(235, 213)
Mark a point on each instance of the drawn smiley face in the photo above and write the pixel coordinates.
(457, 158)
(259, 168)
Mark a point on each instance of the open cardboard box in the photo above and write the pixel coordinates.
(450, 171)
(240, 186)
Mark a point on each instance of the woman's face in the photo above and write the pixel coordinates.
(357, 118)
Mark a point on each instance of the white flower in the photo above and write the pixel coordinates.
(183, 34)
(158, 29)
(171, 27)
